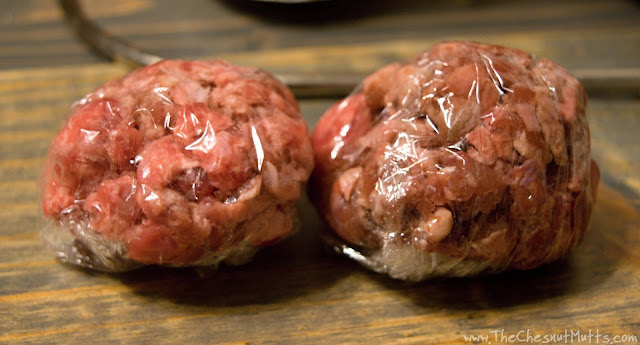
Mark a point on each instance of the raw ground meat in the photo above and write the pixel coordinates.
(467, 158)
(180, 163)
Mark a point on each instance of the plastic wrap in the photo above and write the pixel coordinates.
(467, 158)
(182, 163)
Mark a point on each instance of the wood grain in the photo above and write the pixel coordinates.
(296, 293)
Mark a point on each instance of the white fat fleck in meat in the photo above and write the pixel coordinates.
(437, 226)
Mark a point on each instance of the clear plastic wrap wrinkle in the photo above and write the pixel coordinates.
(181, 163)
(468, 158)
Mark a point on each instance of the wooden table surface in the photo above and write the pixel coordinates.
(296, 293)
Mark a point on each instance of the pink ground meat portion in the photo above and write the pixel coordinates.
(469, 150)
(180, 160)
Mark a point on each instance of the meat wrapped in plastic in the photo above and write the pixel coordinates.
(467, 158)
(183, 163)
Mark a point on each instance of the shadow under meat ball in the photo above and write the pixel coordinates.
(182, 163)
(467, 158)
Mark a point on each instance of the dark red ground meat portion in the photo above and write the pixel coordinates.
(181, 161)
(468, 150)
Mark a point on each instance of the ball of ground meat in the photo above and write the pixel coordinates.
(177, 163)
(467, 158)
